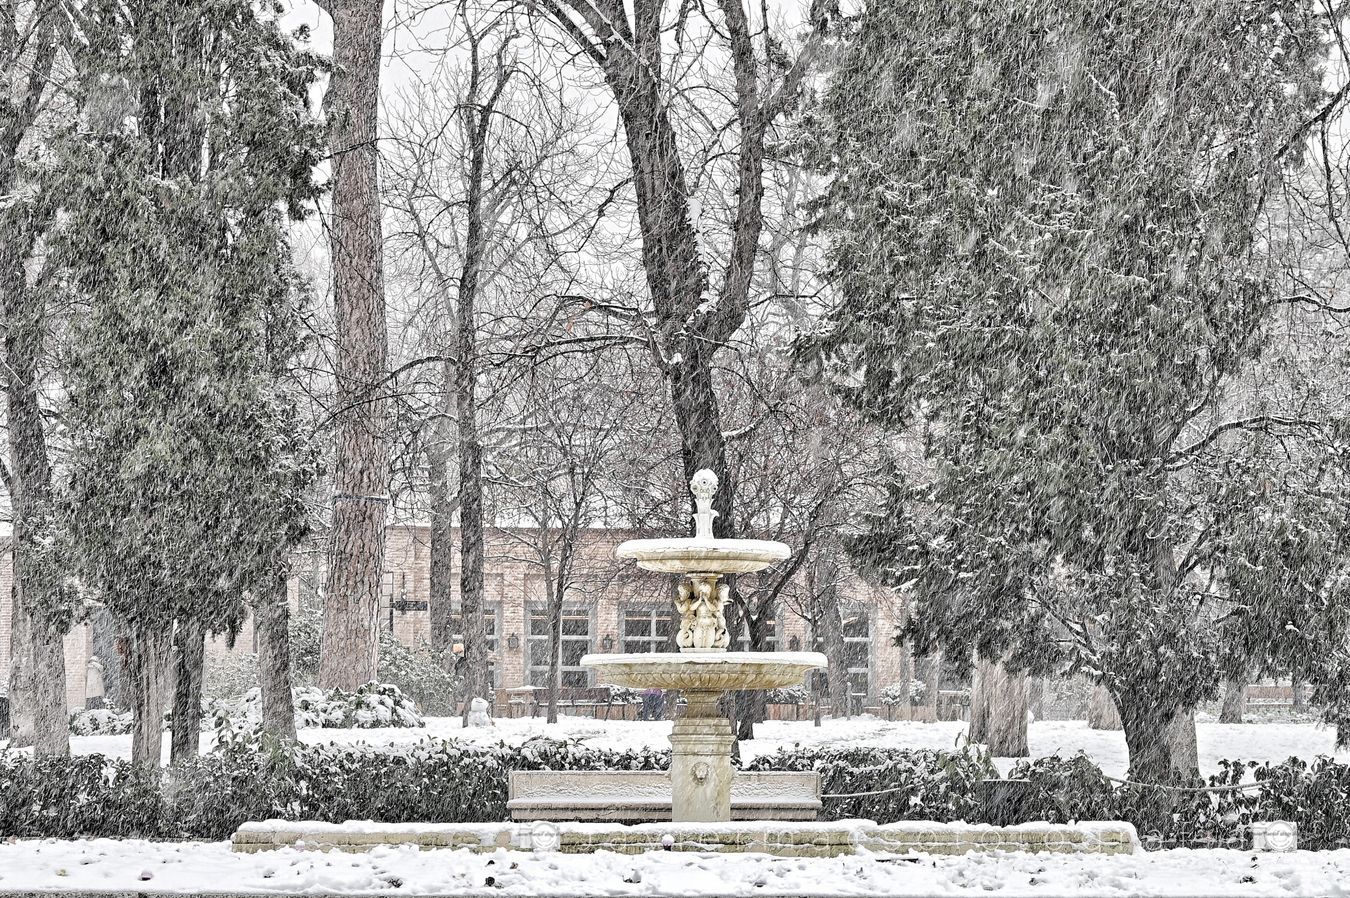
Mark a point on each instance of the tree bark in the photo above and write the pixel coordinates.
(555, 615)
(1298, 699)
(22, 701)
(933, 682)
(442, 591)
(752, 705)
(1234, 701)
(480, 108)
(350, 650)
(832, 635)
(37, 674)
(189, 656)
(51, 717)
(1102, 713)
(998, 709)
(1160, 736)
(271, 621)
(981, 698)
(148, 659)
(38, 671)
(1037, 688)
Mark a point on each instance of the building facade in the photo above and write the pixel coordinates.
(79, 642)
(610, 606)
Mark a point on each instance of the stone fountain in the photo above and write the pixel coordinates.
(703, 669)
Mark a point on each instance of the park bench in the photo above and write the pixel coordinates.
(590, 701)
(643, 796)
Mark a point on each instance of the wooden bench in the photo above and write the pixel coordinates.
(643, 796)
(588, 701)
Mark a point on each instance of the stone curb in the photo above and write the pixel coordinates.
(783, 840)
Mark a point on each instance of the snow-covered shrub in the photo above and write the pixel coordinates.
(420, 672)
(250, 777)
(919, 784)
(229, 677)
(625, 695)
(372, 705)
(1067, 789)
(792, 695)
(895, 694)
(912, 692)
(100, 722)
(80, 796)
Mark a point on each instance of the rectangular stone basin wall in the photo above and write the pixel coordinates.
(784, 839)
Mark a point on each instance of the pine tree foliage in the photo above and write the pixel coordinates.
(1045, 229)
(187, 465)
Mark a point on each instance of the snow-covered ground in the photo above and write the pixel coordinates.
(1251, 741)
(206, 868)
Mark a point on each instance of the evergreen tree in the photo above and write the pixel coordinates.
(1044, 229)
(195, 143)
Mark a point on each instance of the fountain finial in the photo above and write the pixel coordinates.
(703, 486)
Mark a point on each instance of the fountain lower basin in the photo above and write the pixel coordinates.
(705, 671)
(694, 555)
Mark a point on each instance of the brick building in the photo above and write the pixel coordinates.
(612, 607)
(79, 642)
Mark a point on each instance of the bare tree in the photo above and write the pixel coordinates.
(585, 423)
(484, 192)
(693, 319)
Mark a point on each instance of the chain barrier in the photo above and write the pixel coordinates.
(1194, 789)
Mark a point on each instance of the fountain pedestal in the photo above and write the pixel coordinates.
(700, 763)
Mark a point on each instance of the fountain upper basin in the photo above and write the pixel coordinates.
(703, 556)
(705, 671)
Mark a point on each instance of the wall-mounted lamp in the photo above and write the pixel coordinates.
(513, 642)
(794, 643)
(607, 643)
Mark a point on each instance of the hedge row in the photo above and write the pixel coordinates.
(441, 782)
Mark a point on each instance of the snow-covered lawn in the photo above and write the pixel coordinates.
(206, 868)
(1252, 741)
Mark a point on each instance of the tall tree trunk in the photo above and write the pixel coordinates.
(38, 671)
(1161, 740)
(981, 698)
(1298, 698)
(350, 650)
(998, 709)
(189, 657)
(1038, 689)
(1161, 734)
(555, 634)
(1102, 713)
(832, 634)
(271, 622)
(51, 718)
(37, 674)
(442, 590)
(148, 660)
(752, 705)
(1234, 700)
(22, 701)
(701, 441)
(480, 107)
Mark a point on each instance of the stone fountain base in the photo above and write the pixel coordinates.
(701, 738)
(832, 839)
